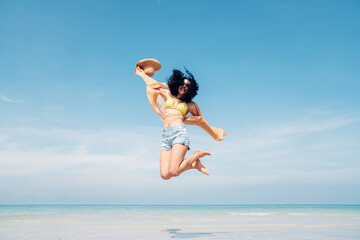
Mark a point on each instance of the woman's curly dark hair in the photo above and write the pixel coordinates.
(177, 79)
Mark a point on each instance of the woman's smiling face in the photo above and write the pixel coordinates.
(184, 88)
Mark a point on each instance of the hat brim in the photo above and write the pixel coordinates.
(149, 62)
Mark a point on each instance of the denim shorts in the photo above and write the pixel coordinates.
(174, 134)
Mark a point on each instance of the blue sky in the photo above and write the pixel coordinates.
(282, 77)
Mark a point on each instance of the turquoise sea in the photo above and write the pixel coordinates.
(62, 222)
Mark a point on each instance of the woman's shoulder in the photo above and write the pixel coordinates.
(193, 108)
(192, 104)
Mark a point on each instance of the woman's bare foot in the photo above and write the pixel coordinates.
(198, 165)
(200, 153)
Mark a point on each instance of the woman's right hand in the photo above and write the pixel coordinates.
(148, 80)
(139, 71)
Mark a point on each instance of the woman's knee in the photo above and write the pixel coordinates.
(174, 172)
(166, 176)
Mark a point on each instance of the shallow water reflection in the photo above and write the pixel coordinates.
(175, 233)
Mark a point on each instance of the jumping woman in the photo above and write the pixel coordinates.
(175, 140)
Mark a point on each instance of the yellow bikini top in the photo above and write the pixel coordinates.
(182, 107)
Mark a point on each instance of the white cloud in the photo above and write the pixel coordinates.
(30, 151)
(6, 99)
(269, 135)
(313, 149)
(294, 151)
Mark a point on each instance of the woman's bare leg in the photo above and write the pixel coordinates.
(178, 152)
(184, 166)
(197, 165)
(164, 164)
(178, 164)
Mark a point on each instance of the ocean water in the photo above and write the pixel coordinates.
(63, 222)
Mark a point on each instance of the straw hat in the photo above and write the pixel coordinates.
(149, 65)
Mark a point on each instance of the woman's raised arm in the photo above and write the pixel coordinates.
(148, 80)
